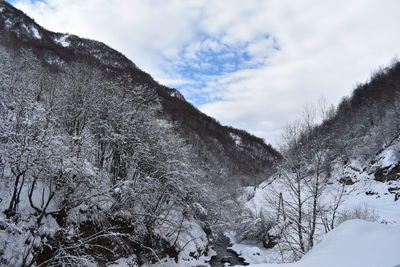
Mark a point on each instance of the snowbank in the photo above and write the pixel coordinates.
(354, 243)
(366, 191)
(251, 253)
(184, 233)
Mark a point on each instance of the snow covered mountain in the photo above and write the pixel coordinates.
(228, 153)
(100, 162)
(100, 165)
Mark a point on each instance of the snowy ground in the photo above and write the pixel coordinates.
(168, 262)
(254, 253)
(366, 192)
(354, 243)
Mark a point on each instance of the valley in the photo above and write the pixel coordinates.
(101, 165)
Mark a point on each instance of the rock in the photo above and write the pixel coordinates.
(346, 181)
(226, 259)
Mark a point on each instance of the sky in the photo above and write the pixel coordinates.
(250, 64)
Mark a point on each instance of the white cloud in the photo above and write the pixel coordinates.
(325, 47)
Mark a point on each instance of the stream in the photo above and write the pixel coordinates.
(220, 246)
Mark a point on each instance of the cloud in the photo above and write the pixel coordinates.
(250, 64)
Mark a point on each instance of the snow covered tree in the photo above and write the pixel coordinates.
(301, 180)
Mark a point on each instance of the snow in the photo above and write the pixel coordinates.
(39, 196)
(15, 237)
(168, 262)
(257, 201)
(368, 192)
(1, 9)
(8, 23)
(247, 193)
(12, 242)
(36, 33)
(201, 261)
(353, 240)
(54, 60)
(31, 30)
(251, 254)
(26, 28)
(62, 40)
(185, 233)
(354, 243)
(177, 94)
(236, 138)
(124, 262)
(200, 209)
(389, 156)
(365, 192)
(378, 199)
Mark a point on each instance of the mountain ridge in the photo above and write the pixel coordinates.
(24, 31)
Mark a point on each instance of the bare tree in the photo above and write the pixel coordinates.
(301, 181)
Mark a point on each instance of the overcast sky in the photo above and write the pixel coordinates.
(252, 64)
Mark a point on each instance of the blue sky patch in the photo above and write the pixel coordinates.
(208, 59)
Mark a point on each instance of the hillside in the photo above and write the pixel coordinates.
(346, 167)
(100, 162)
(230, 154)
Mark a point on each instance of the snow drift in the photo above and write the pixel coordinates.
(354, 243)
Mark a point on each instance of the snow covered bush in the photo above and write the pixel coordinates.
(363, 212)
(256, 227)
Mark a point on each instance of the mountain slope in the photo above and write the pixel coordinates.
(230, 154)
(99, 162)
(346, 167)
